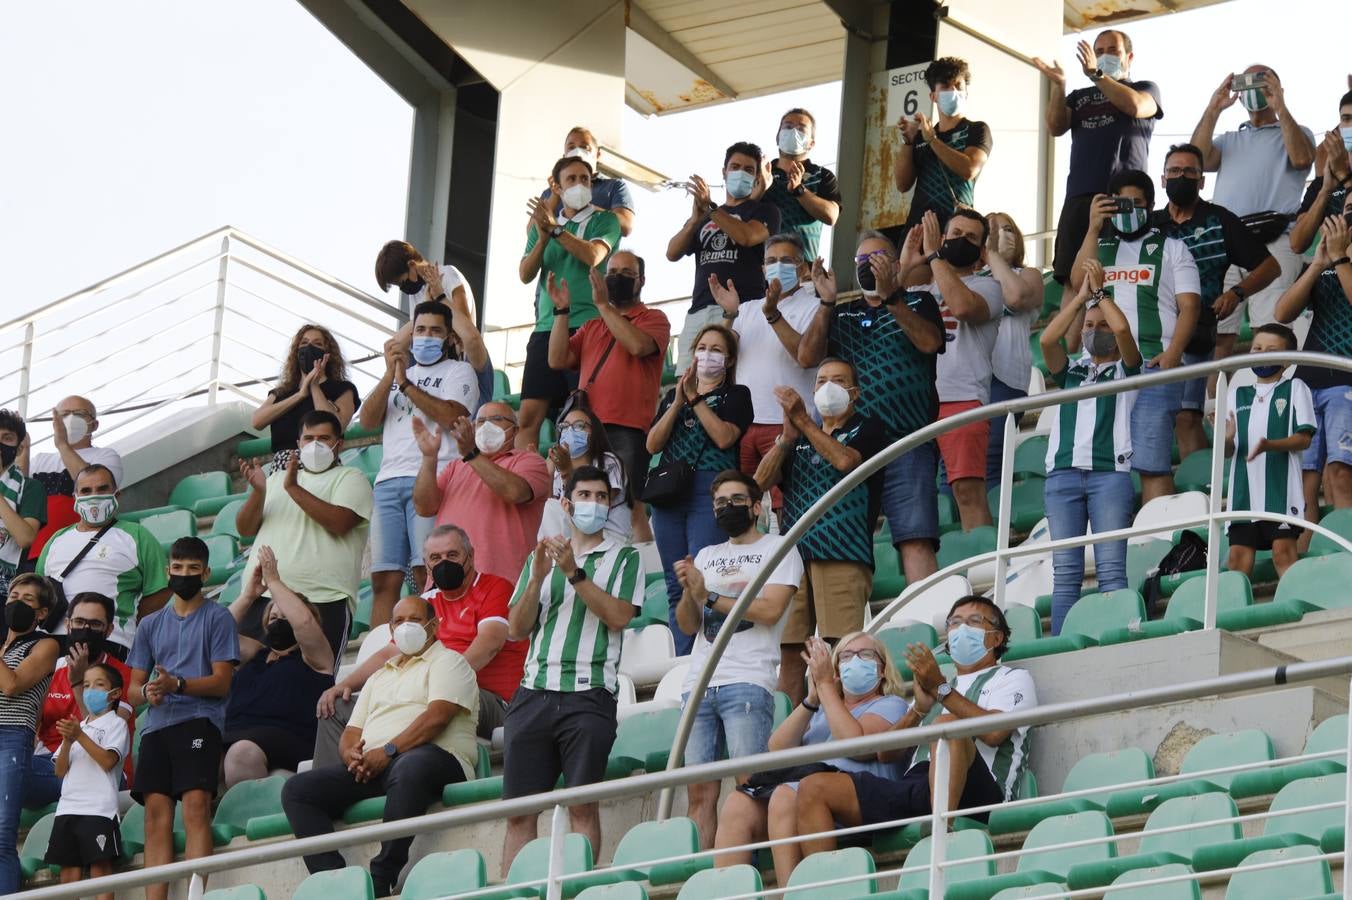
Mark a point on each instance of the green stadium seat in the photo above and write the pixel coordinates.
(1233, 591)
(1064, 829)
(960, 845)
(29, 817)
(1094, 616)
(830, 865)
(948, 515)
(783, 707)
(1308, 879)
(1045, 889)
(1321, 582)
(1157, 849)
(652, 840)
(532, 863)
(35, 846)
(222, 549)
(1194, 472)
(479, 790)
(888, 580)
(361, 616)
(351, 883)
(366, 459)
(210, 506)
(1330, 735)
(1340, 522)
(714, 884)
(625, 890)
(1142, 558)
(1177, 890)
(169, 526)
(247, 800)
(261, 828)
(1285, 829)
(225, 522)
(1030, 457)
(187, 494)
(445, 875)
(220, 834)
(240, 892)
(655, 605)
(1334, 840)
(1026, 507)
(1024, 623)
(133, 824)
(1215, 751)
(959, 545)
(643, 741)
(549, 435)
(1097, 770)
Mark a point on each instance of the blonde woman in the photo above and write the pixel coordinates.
(852, 691)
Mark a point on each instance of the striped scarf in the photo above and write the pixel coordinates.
(12, 484)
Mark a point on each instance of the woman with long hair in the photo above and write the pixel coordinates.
(1012, 361)
(699, 423)
(314, 376)
(583, 442)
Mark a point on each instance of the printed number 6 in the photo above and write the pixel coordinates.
(910, 105)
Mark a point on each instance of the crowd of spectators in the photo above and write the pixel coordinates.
(507, 576)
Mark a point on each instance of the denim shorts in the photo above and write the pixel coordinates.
(1333, 423)
(1194, 391)
(734, 720)
(397, 533)
(911, 495)
(1152, 426)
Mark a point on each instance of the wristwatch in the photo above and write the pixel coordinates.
(1340, 261)
(895, 297)
(1239, 292)
(710, 600)
(556, 231)
(579, 575)
(1096, 74)
(404, 386)
(942, 691)
(182, 685)
(798, 191)
(391, 751)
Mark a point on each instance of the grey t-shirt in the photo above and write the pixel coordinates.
(185, 646)
(964, 368)
(1256, 175)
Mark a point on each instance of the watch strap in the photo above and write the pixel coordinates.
(579, 575)
(470, 455)
(1340, 261)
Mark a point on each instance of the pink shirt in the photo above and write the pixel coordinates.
(503, 534)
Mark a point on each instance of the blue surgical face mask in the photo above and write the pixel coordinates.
(785, 272)
(574, 440)
(739, 183)
(427, 350)
(1266, 371)
(1346, 132)
(1111, 64)
(589, 516)
(950, 102)
(1131, 222)
(858, 676)
(96, 700)
(967, 645)
(791, 141)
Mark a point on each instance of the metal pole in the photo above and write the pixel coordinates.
(1213, 525)
(939, 764)
(558, 830)
(222, 272)
(27, 368)
(1347, 794)
(1006, 504)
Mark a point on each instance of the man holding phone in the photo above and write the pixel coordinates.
(1261, 169)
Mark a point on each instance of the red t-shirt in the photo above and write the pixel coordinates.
(503, 533)
(626, 386)
(60, 704)
(485, 601)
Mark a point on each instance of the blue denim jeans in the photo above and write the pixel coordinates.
(1333, 437)
(16, 748)
(999, 392)
(397, 533)
(41, 787)
(1075, 499)
(734, 720)
(683, 530)
(1152, 427)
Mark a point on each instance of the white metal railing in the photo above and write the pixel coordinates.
(137, 342)
(643, 785)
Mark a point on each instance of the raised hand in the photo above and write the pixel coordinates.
(1088, 61)
(819, 666)
(557, 289)
(267, 565)
(773, 291)
(795, 411)
(1093, 274)
(561, 460)
(1335, 237)
(462, 431)
(541, 215)
(884, 273)
(600, 293)
(690, 385)
(725, 295)
(925, 127)
(912, 249)
(292, 477)
(909, 128)
(540, 563)
(793, 174)
(69, 729)
(428, 440)
(560, 550)
(1052, 71)
(824, 281)
(1276, 95)
(1223, 98)
(59, 436)
(931, 236)
(1335, 154)
(430, 273)
(699, 191)
(1101, 210)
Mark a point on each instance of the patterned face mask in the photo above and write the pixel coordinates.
(1130, 222)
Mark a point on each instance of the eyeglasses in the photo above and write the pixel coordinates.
(865, 257)
(88, 623)
(734, 500)
(584, 427)
(1178, 172)
(504, 421)
(974, 620)
(868, 655)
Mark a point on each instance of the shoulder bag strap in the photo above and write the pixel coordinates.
(84, 551)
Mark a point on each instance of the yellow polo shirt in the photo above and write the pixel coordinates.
(400, 690)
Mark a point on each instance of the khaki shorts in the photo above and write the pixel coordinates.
(831, 600)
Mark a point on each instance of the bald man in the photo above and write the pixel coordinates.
(74, 422)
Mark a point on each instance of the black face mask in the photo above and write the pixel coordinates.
(307, 356)
(733, 520)
(93, 639)
(186, 586)
(959, 252)
(1347, 217)
(621, 288)
(279, 636)
(411, 287)
(867, 280)
(8, 453)
(448, 575)
(19, 616)
(1182, 191)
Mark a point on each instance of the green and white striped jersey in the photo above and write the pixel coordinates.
(1094, 435)
(571, 649)
(1145, 276)
(1271, 482)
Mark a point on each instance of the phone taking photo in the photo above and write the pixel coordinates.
(1247, 81)
(1123, 204)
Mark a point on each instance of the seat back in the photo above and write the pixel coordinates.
(1320, 581)
(672, 685)
(933, 603)
(1308, 792)
(1331, 734)
(648, 841)
(1308, 879)
(1061, 830)
(445, 874)
(959, 846)
(1176, 890)
(830, 865)
(1339, 521)
(959, 545)
(900, 636)
(532, 862)
(1095, 614)
(1177, 811)
(1028, 579)
(1233, 591)
(1233, 748)
(625, 890)
(1052, 889)
(351, 883)
(225, 519)
(244, 801)
(713, 884)
(375, 639)
(642, 645)
(1171, 508)
(168, 527)
(1106, 770)
(1024, 623)
(239, 892)
(192, 488)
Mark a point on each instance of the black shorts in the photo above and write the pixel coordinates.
(539, 381)
(630, 445)
(882, 799)
(181, 758)
(285, 749)
(552, 733)
(1070, 231)
(82, 841)
(1260, 535)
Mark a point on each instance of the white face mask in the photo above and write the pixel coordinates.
(316, 456)
(577, 197)
(409, 637)
(831, 399)
(489, 438)
(76, 427)
(792, 141)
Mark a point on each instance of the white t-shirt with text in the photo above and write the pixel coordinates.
(762, 362)
(963, 370)
(450, 379)
(88, 789)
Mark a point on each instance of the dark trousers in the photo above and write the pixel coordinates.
(411, 783)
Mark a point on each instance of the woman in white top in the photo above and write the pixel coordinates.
(1012, 362)
(582, 442)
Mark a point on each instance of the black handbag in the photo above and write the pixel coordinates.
(669, 482)
(1266, 226)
